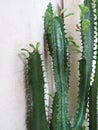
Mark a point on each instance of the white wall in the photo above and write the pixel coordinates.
(21, 23)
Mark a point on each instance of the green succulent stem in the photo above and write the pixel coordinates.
(36, 116)
(58, 47)
(93, 119)
(93, 108)
(85, 67)
(54, 113)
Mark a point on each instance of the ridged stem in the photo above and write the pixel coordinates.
(85, 67)
(93, 117)
(36, 117)
(58, 47)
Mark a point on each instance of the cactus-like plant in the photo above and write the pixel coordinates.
(85, 67)
(58, 46)
(36, 117)
(93, 94)
(59, 51)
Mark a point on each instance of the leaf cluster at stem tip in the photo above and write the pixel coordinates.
(35, 47)
(84, 9)
(85, 22)
(62, 12)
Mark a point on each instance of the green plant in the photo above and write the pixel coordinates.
(36, 117)
(58, 47)
(87, 37)
(59, 50)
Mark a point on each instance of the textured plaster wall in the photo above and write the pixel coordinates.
(21, 23)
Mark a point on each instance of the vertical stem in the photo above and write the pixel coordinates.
(62, 6)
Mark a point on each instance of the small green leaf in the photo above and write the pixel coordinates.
(63, 10)
(84, 9)
(75, 44)
(31, 45)
(23, 49)
(37, 45)
(77, 30)
(85, 25)
(77, 50)
(68, 15)
(70, 38)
